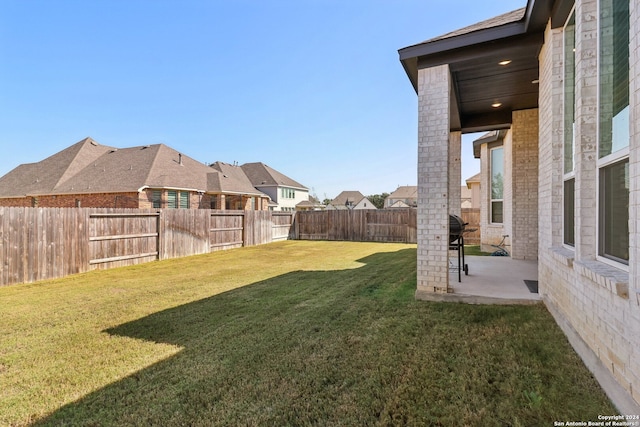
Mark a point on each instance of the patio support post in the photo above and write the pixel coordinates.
(434, 95)
(455, 173)
(524, 185)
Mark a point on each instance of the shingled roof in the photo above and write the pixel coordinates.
(231, 179)
(504, 19)
(88, 167)
(262, 175)
(352, 197)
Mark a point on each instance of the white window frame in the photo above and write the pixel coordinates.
(605, 161)
(491, 199)
(571, 175)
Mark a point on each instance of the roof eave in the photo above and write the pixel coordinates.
(409, 55)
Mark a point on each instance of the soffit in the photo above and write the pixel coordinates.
(477, 78)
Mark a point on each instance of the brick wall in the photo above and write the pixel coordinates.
(524, 185)
(598, 302)
(98, 200)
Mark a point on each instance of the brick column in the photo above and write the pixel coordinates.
(433, 180)
(524, 185)
(551, 147)
(586, 153)
(455, 173)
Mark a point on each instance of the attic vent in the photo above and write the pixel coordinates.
(225, 176)
(146, 146)
(113, 151)
(95, 144)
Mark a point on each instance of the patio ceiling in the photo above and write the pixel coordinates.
(485, 93)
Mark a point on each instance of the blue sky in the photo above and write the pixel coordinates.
(313, 88)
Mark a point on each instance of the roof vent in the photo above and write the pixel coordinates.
(113, 151)
(180, 159)
(95, 144)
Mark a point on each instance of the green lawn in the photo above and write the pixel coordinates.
(290, 333)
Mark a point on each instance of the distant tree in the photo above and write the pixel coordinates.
(326, 201)
(378, 199)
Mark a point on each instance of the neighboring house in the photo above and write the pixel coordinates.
(232, 189)
(312, 204)
(560, 82)
(285, 192)
(88, 174)
(350, 200)
(403, 197)
(473, 187)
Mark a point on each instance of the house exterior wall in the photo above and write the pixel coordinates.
(434, 90)
(96, 200)
(597, 301)
(285, 204)
(364, 204)
(524, 185)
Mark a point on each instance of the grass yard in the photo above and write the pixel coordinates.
(290, 333)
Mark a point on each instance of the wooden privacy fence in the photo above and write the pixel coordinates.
(388, 225)
(46, 243)
(472, 217)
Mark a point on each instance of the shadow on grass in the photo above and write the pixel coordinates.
(349, 347)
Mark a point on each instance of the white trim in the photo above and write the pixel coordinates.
(609, 159)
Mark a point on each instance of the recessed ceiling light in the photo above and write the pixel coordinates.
(496, 104)
(505, 62)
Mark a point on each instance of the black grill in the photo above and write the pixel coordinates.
(456, 227)
(456, 242)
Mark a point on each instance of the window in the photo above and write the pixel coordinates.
(613, 146)
(214, 201)
(569, 130)
(184, 200)
(569, 212)
(172, 199)
(288, 193)
(497, 184)
(156, 199)
(614, 211)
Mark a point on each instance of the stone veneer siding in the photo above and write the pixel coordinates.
(598, 303)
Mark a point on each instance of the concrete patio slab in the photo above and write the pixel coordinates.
(491, 280)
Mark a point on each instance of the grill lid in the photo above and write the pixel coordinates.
(456, 227)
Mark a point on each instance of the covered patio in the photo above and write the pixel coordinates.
(491, 280)
(480, 78)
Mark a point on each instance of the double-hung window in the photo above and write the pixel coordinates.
(172, 199)
(613, 153)
(569, 131)
(497, 185)
(184, 200)
(156, 199)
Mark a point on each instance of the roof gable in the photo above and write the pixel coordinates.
(45, 176)
(263, 175)
(232, 179)
(348, 197)
(405, 192)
